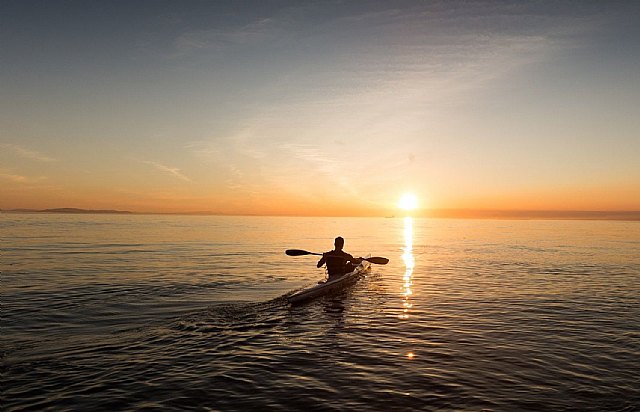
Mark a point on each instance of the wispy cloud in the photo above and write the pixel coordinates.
(237, 157)
(247, 143)
(313, 155)
(204, 149)
(244, 142)
(167, 169)
(27, 153)
(256, 32)
(14, 178)
(7, 175)
(320, 162)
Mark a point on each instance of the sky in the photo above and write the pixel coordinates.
(319, 107)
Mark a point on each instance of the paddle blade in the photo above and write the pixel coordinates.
(377, 260)
(296, 252)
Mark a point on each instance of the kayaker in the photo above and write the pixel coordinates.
(338, 261)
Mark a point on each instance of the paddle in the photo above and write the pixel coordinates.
(375, 259)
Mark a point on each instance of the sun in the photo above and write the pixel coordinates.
(408, 201)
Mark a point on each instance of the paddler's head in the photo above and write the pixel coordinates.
(339, 243)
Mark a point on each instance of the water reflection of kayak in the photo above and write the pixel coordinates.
(330, 286)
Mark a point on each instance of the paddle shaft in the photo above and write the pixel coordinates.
(374, 259)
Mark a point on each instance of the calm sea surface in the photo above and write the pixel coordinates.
(112, 312)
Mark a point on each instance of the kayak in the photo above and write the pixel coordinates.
(330, 286)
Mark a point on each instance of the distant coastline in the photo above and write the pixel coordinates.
(70, 210)
(432, 213)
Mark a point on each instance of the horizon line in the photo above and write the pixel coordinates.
(442, 213)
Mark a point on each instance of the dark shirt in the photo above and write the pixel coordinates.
(336, 261)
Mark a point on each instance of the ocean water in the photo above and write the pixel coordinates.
(118, 312)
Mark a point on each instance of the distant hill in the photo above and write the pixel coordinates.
(69, 210)
(75, 210)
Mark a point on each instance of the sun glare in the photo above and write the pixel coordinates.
(408, 201)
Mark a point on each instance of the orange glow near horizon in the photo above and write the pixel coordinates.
(179, 201)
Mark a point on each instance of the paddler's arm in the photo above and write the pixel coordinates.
(355, 261)
(322, 260)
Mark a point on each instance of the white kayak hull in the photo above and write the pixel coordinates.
(331, 286)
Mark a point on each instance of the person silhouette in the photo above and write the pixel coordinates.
(338, 261)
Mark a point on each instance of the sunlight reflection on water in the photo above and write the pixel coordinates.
(409, 263)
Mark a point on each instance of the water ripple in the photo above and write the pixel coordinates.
(125, 313)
